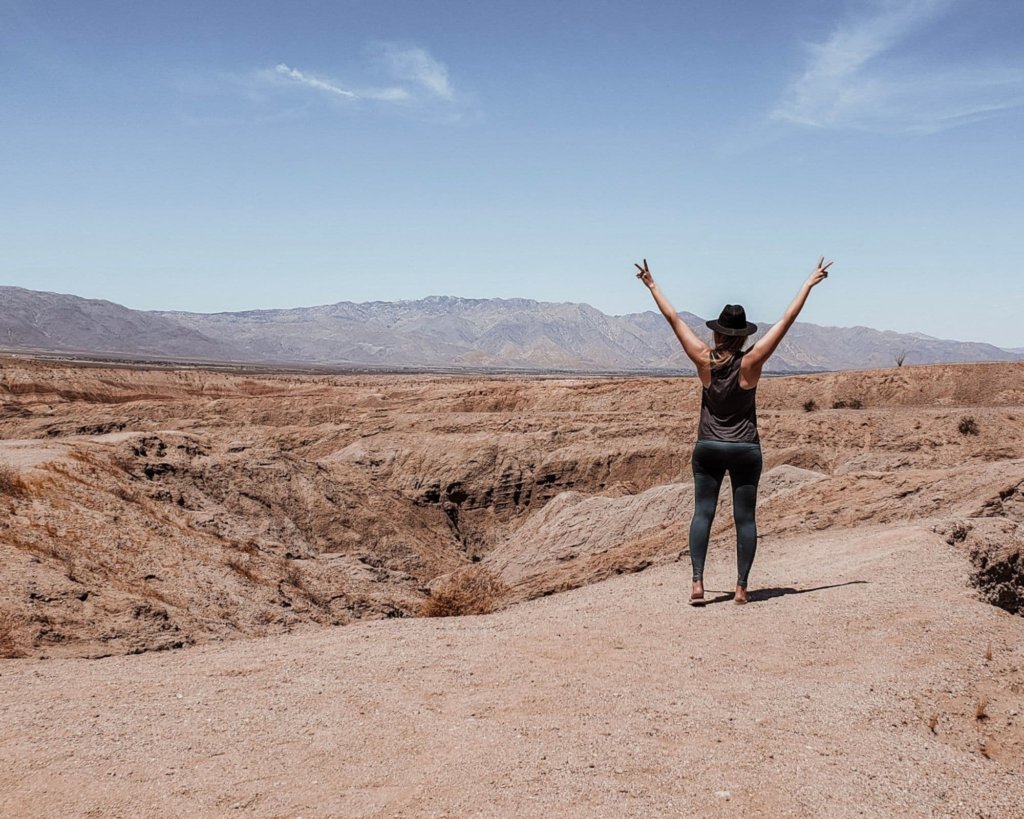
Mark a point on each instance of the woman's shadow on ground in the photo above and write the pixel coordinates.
(761, 595)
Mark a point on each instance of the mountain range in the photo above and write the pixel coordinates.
(438, 332)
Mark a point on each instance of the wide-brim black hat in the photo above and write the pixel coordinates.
(733, 322)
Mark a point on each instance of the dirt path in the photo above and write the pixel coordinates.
(851, 689)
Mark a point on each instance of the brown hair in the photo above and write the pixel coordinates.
(726, 349)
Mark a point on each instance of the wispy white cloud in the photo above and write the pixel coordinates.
(383, 94)
(386, 94)
(417, 66)
(860, 79)
(414, 77)
(321, 85)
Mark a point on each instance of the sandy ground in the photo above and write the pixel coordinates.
(850, 686)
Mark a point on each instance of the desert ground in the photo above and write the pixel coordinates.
(216, 587)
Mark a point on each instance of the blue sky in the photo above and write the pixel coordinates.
(227, 156)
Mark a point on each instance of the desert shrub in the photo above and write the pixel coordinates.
(152, 593)
(848, 403)
(968, 426)
(469, 590)
(294, 577)
(264, 617)
(243, 568)
(810, 405)
(11, 483)
(957, 534)
(10, 643)
(126, 495)
(900, 357)
(58, 553)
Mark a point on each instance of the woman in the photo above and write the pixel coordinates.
(727, 439)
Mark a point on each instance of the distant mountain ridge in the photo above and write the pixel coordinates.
(54, 322)
(435, 332)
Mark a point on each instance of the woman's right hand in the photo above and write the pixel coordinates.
(645, 274)
(819, 275)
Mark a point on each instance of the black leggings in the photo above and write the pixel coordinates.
(711, 460)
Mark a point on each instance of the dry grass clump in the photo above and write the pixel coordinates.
(810, 405)
(245, 568)
(293, 576)
(968, 426)
(469, 590)
(61, 555)
(153, 593)
(980, 709)
(297, 579)
(10, 641)
(11, 483)
(848, 403)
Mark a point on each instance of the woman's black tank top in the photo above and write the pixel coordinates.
(727, 411)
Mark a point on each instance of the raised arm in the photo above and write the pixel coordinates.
(696, 350)
(762, 351)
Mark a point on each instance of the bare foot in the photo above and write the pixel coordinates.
(741, 596)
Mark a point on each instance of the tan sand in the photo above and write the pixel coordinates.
(612, 700)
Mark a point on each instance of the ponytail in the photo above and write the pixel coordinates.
(726, 349)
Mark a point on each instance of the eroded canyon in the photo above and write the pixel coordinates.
(150, 509)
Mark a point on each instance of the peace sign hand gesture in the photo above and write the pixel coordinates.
(645, 274)
(820, 274)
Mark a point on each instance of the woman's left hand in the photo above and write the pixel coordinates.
(645, 274)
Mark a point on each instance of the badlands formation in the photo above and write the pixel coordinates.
(271, 543)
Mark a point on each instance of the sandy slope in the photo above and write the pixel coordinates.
(609, 700)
